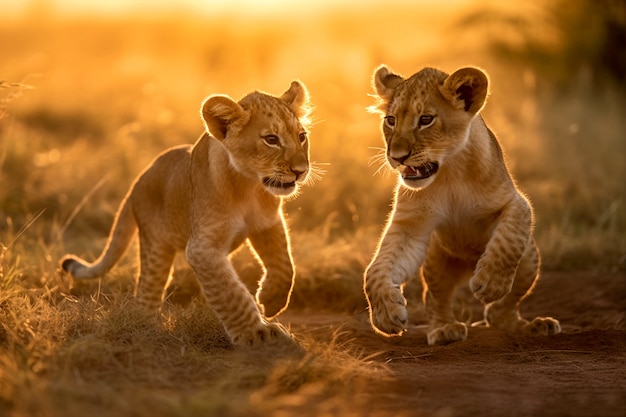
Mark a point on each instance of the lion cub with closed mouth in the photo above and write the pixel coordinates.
(457, 213)
(209, 198)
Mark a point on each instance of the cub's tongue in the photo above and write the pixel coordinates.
(410, 172)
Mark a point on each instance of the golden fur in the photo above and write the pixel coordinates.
(457, 213)
(207, 199)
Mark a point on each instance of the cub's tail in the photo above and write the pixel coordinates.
(122, 232)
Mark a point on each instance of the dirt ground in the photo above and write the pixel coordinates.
(580, 372)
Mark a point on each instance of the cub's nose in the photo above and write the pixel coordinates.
(299, 172)
(399, 157)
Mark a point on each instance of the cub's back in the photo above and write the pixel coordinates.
(160, 197)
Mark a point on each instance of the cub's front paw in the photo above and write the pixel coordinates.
(542, 326)
(448, 333)
(388, 314)
(265, 333)
(273, 298)
(489, 284)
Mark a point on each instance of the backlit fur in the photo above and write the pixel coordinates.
(208, 199)
(457, 213)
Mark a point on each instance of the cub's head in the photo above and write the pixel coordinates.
(265, 136)
(427, 118)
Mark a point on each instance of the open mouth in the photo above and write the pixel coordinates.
(419, 172)
(272, 182)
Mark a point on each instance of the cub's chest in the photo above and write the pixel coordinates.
(252, 215)
(258, 218)
(465, 228)
(252, 220)
(227, 229)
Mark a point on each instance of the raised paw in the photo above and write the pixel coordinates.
(388, 314)
(265, 333)
(542, 326)
(273, 298)
(489, 285)
(448, 333)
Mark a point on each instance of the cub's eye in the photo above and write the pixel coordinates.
(271, 140)
(426, 121)
(302, 137)
(390, 121)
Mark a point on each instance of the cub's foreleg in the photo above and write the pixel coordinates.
(229, 298)
(441, 274)
(495, 271)
(273, 249)
(397, 259)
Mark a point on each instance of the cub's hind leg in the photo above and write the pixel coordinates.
(156, 259)
(441, 273)
(504, 313)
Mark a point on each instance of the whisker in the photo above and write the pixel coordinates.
(380, 154)
(380, 158)
(274, 180)
(314, 122)
(383, 170)
(315, 173)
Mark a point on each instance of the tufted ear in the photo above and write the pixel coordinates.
(297, 98)
(466, 89)
(220, 113)
(385, 83)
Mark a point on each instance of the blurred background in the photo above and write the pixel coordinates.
(91, 92)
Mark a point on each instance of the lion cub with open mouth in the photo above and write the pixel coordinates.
(457, 212)
(207, 199)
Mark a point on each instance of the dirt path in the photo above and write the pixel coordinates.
(581, 372)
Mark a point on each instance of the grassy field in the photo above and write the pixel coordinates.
(86, 103)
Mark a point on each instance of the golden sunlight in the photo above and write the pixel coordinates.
(91, 91)
(209, 7)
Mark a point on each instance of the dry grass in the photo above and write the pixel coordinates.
(106, 102)
(79, 351)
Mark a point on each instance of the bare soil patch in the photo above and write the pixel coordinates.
(580, 372)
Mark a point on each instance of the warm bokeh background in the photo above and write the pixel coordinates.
(91, 91)
(94, 90)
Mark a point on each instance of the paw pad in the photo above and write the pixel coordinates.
(447, 333)
(543, 326)
(388, 313)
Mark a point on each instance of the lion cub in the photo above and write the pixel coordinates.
(207, 199)
(457, 212)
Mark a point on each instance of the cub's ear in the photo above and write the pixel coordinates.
(466, 89)
(221, 113)
(297, 98)
(385, 83)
